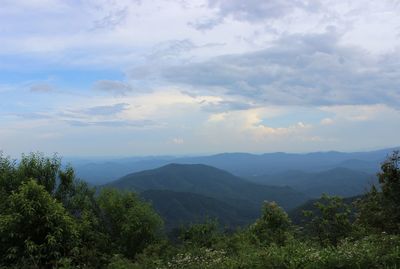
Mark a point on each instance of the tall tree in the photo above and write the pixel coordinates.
(330, 222)
(379, 211)
(131, 223)
(274, 225)
(35, 228)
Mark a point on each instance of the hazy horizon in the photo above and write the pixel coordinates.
(138, 78)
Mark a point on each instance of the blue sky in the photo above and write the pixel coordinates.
(132, 77)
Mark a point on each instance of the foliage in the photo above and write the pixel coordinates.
(131, 223)
(379, 211)
(204, 234)
(36, 228)
(273, 226)
(331, 222)
(49, 219)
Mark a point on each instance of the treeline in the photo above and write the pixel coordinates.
(49, 219)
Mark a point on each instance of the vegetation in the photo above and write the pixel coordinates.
(187, 192)
(49, 219)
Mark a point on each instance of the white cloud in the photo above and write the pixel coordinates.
(327, 121)
(178, 141)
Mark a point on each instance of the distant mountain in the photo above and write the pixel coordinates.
(182, 208)
(102, 172)
(371, 167)
(240, 164)
(338, 181)
(244, 164)
(209, 181)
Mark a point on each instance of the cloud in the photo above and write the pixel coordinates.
(104, 116)
(112, 86)
(227, 106)
(111, 20)
(299, 69)
(171, 49)
(42, 88)
(178, 141)
(255, 10)
(203, 24)
(112, 123)
(253, 129)
(107, 110)
(33, 116)
(327, 121)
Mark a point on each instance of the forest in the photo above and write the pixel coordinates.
(51, 219)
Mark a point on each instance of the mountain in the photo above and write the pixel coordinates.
(209, 181)
(338, 181)
(99, 173)
(181, 208)
(244, 164)
(240, 164)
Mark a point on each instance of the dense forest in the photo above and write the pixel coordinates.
(50, 219)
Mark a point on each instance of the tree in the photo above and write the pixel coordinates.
(331, 221)
(131, 223)
(379, 211)
(36, 229)
(201, 234)
(273, 226)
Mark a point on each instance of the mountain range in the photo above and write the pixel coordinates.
(337, 181)
(232, 186)
(101, 171)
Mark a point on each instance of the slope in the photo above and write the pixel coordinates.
(211, 182)
(181, 208)
(338, 181)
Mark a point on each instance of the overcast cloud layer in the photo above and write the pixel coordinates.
(131, 77)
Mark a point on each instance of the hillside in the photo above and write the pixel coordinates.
(338, 181)
(211, 182)
(182, 208)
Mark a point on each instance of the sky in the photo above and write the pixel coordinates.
(176, 77)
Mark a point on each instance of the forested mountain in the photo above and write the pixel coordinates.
(183, 208)
(240, 164)
(208, 181)
(338, 181)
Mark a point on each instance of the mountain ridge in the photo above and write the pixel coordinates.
(208, 181)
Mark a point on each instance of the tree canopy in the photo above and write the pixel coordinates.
(50, 219)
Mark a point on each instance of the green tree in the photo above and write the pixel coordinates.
(274, 225)
(379, 211)
(36, 229)
(204, 234)
(131, 223)
(46, 171)
(331, 221)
